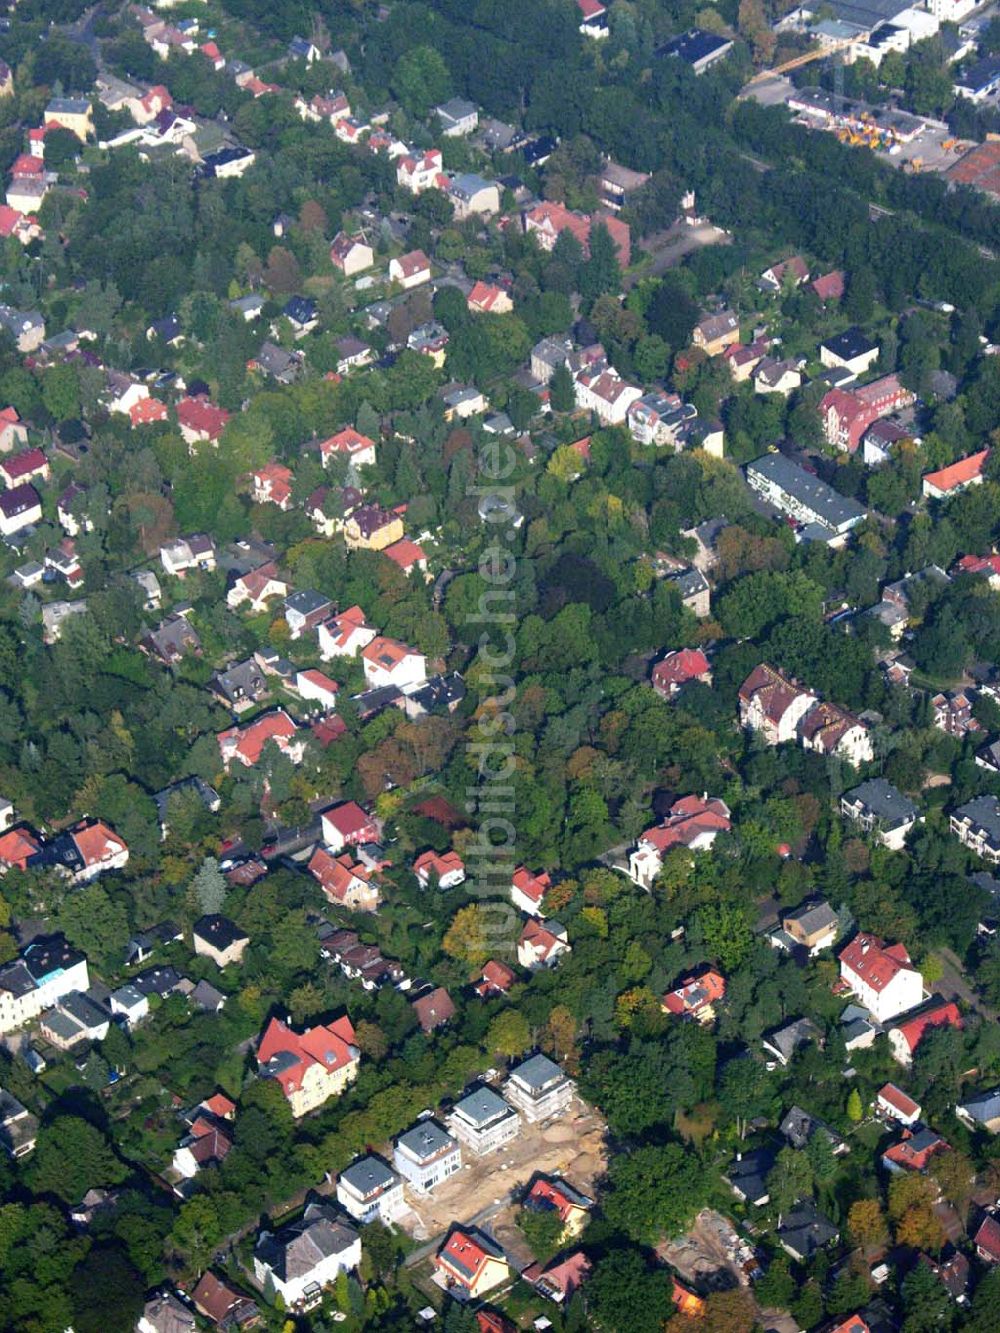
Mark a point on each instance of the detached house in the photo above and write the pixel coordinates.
(813, 926)
(245, 744)
(948, 481)
(471, 1264)
(881, 811)
(220, 939)
(90, 848)
(389, 662)
(457, 116)
(257, 587)
(305, 610)
(347, 825)
(527, 890)
(371, 528)
(370, 1191)
(410, 270)
(423, 172)
(881, 977)
(850, 350)
(555, 1195)
(200, 420)
(981, 1111)
(13, 431)
(677, 669)
(694, 822)
(976, 824)
(488, 299)
(344, 881)
(541, 945)
(914, 1151)
(349, 443)
(714, 333)
(904, 1038)
(539, 1089)
(272, 484)
(426, 1155)
(548, 220)
(601, 390)
(483, 1121)
(351, 254)
(310, 1066)
(300, 1260)
(28, 465)
(773, 704)
(345, 635)
(442, 870)
(697, 996)
(20, 507)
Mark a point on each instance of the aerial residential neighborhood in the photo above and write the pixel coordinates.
(500, 667)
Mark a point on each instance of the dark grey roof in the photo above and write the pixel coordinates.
(425, 1140)
(218, 931)
(984, 1107)
(980, 75)
(805, 1230)
(50, 953)
(984, 813)
(884, 801)
(689, 582)
(835, 510)
(482, 1106)
(849, 344)
(297, 1249)
(81, 1007)
(243, 680)
(786, 1040)
(206, 996)
(15, 979)
(538, 1073)
(748, 1174)
(209, 796)
(456, 108)
(695, 46)
(158, 980)
(306, 601)
(813, 916)
(368, 1175)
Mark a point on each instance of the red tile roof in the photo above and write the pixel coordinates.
(348, 819)
(346, 441)
(958, 474)
(415, 262)
(438, 863)
(941, 1015)
(678, 667)
(251, 739)
(406, 554)
(147, 410)
(16, 846)
(332, 1046)
(336, 874)
(868, 958)
(531, 886)
(696, 992)
(688, 819)
(96, 841)
(484, 296)
(434, 1009)
(988, 1239)
(201, 416)
(898, 1100)
(27, 463)
(829, 287)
